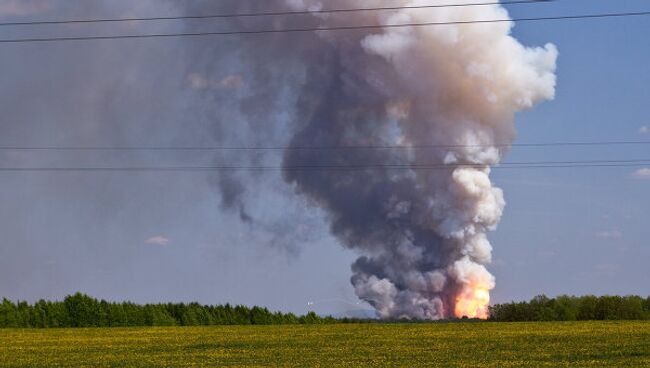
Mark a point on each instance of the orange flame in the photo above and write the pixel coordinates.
(473, 302)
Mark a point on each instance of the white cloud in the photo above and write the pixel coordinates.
(158, 240)
(643, 173)
(231, 82)
(22, 7)
(607, 268)
(548, 253)
(609, 234)
(644, 130)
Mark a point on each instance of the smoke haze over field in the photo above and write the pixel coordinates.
(420, 234)
(417, 240)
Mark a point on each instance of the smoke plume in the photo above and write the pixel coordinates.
(421, 234)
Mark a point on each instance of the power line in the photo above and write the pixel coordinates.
(513, 165)
(262, 14)
(316, 29)
(211, 169)
(318, 148)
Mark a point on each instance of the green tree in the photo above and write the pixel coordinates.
(8, 316)
(82, 309)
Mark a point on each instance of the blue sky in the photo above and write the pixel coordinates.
(580, 231)
(163, 238)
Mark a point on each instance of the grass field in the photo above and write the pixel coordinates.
(576, 344)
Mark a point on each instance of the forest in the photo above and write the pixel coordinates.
(572, 308)
(80, 310)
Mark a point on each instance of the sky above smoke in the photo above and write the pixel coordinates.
(275, 238)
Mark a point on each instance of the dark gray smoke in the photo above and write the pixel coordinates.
(420, 234)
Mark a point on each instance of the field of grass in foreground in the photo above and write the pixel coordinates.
(553, 344)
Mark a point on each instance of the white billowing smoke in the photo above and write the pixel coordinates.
(447, 96)
(423, 242)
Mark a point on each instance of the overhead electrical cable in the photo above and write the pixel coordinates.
(512, 165)
(320, 29)
(263, 14)
(317, 148)
(208, 169)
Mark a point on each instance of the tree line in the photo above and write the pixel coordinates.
(572, 308)
(81, 310)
